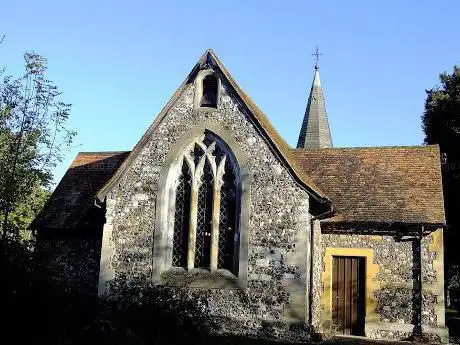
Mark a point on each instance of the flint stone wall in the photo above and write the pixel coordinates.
(398, 263)
(278, 219)
(71, 261)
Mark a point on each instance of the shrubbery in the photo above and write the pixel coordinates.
(453, 285)
(35, 309)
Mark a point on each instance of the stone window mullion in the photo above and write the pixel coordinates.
(218, 182)
(197, 173)
(203, 189)
(210, 228)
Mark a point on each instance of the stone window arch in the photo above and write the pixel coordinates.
(200, 220)
(206, 206)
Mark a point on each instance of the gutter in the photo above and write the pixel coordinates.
(324, 214)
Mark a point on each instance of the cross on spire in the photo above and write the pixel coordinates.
(315, 131)
(317, 54)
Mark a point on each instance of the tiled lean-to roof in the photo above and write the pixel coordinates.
(366, 185)
(72, 201)
(379, 184)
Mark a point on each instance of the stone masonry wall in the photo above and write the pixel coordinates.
(72, 262)
(395, 309)
(278, 218)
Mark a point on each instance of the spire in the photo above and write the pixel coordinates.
(315, 132)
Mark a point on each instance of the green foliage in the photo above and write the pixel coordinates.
(33, 137)
(441, 124)
(453, 285)
(441, 119)
(22, 215)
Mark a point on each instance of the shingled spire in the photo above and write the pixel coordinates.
(315, 132)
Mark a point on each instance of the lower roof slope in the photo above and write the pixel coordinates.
(72, 201)
(378, 184)
(366, 185)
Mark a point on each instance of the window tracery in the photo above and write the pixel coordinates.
(206, 207)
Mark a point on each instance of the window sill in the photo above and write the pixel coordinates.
(199, 278)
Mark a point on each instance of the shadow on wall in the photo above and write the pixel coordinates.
(451, 188)
(39, 311)
(397, 304)
(417, 288)
(70, 259)
(47, 311)
(69, 227)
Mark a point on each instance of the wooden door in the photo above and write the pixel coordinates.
(348, 294)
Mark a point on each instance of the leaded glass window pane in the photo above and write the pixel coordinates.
(227, 219)
(204, 218)
(208, 170)
(182, 218)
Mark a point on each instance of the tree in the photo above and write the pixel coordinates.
(441, 124)
(33, 135)
(24, 213)
(441, 119)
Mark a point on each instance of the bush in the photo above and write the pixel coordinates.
(36, 309)
(453, 286)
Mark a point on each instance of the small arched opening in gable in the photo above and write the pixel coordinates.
(207, 85)
(209, 91)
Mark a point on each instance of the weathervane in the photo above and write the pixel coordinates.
(317, 54)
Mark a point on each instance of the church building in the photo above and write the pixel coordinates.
(213, 200)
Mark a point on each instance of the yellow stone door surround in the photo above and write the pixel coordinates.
(371, 284)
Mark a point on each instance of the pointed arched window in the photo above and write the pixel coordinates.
(207, 207)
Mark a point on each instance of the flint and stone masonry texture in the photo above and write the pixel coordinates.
(274, 302)
(74, 258)
(398, 264)
(279, 220)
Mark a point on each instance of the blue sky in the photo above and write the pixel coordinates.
(119, 62)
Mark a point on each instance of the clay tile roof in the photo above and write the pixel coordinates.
(379, 184)
(72, 201)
